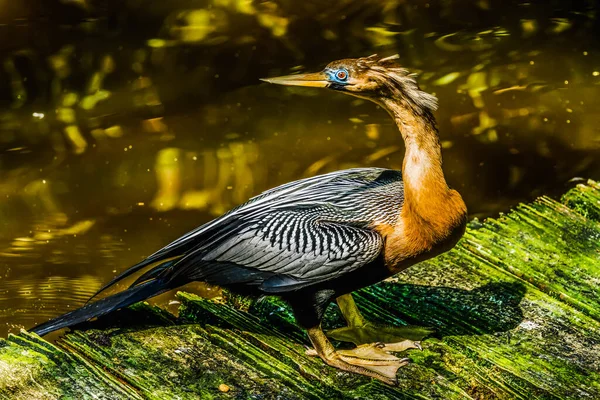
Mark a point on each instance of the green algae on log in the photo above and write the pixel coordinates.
(515, 306)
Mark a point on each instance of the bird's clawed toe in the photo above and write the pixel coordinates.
(374, 359)
(403, 345)
(311, 352)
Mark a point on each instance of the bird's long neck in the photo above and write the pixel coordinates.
(424, 182)
(433, 216)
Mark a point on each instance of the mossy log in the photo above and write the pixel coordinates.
(515, 306)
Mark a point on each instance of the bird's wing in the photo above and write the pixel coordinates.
(304, 231)
(288, 238)
(344, 188)
(294, 247)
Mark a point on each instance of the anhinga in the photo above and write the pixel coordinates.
(318, 239)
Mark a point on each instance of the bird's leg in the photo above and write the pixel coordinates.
(360, 331)
(370, 360)
(350, 311)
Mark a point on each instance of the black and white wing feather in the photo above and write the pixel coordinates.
(298, 247)
(291, 236)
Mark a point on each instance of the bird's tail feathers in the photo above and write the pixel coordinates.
(104, 306)
(162, 278)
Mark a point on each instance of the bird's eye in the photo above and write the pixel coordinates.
(341, 75)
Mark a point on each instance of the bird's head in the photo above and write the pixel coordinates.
(374, 78)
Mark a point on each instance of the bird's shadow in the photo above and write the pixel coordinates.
(492, 308)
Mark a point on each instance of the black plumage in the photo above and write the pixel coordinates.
(294, 237)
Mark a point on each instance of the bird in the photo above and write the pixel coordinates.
(316, 240)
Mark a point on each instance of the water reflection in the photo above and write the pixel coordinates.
(123, 127)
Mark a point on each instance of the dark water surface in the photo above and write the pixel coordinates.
(124, 124)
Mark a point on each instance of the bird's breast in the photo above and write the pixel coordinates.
(418, 236)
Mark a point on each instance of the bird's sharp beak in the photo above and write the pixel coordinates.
(317, 79)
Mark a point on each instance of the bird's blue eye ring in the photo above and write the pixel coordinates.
(341, 75)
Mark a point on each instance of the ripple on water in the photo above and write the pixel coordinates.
(32, 300)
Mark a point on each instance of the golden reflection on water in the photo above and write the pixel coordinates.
(131, 125)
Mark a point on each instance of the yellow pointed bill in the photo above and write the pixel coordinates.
(317, 79)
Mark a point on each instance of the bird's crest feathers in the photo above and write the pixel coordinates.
(398, 80)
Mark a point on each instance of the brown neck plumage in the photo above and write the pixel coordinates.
(424, 181)
(432, 213)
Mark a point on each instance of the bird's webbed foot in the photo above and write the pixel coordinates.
(373, 360)
(360, 331)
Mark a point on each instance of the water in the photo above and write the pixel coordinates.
(125, 124)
